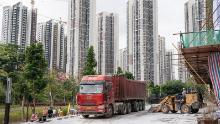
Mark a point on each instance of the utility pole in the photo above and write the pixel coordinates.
(7, 100)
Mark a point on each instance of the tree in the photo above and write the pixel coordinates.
(2, 93)
(8, 60)
(52, 83)
(126, 74)
(70, 89)
(90, 64)
(129, 75)
(8, 66)
(35, 69)
(119, 71)
(172, 87)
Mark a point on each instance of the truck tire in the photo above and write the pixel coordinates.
(194, 110)
(139, 106)
(165, 109)
(185, 109)
(143, 105)
(110, 112)
(173, 111)
(135, 107)
(128, 108)
(124, 109)
(85, 116)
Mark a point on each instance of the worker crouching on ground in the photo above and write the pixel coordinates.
(50, 112)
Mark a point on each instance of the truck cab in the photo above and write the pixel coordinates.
(95, 96)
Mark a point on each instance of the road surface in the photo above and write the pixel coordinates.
(142, 117)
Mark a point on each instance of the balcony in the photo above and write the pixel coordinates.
(203, 38)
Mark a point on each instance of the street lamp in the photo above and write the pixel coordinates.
(7, 100)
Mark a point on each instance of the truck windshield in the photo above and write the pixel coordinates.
(91, 88)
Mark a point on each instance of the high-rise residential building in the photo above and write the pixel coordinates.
(142, 39)
(52, 35)
(40, 32)
(169, 70)
(123, 59)
(61, 48)
(81, 34)
(108, 32)
(183, 72)
(19, 25)
(198, 15)
(32, 26)
(161, 58)
(216, 15)
(6, 23)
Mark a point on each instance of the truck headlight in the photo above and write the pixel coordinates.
(101, 107)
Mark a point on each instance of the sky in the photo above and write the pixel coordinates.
(170, 15)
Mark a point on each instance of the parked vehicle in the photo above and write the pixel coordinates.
(190, 104)
(108, 95)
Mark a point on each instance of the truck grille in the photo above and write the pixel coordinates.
(89, 103)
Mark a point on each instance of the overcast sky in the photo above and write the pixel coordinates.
(170, 15)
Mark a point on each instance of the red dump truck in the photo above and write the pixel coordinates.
(107, 95)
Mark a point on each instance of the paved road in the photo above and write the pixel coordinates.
(134, 118)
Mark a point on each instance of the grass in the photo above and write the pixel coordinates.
(16, 116)
(16, 112)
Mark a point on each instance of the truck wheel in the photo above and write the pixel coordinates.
(143, 107)
(185, 109)
(128, 108)
(134, 107)
(110, 112)
(173, 111)
(165, 109)
(85, 116)
(140, 106)
(194, 110)
(124, 109)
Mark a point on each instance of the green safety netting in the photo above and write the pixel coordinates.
(202, 38)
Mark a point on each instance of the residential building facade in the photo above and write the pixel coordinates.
(107, 43)
(6, 24)
(183, 72)
(52, 36)
(19, 25)
(198, 15)
(169, 70)
(161, 58)
(81, 34)
(32, 26)
(142, 39)
(123, 59)
(216, 15)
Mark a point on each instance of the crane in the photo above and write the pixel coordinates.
(32, 4)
